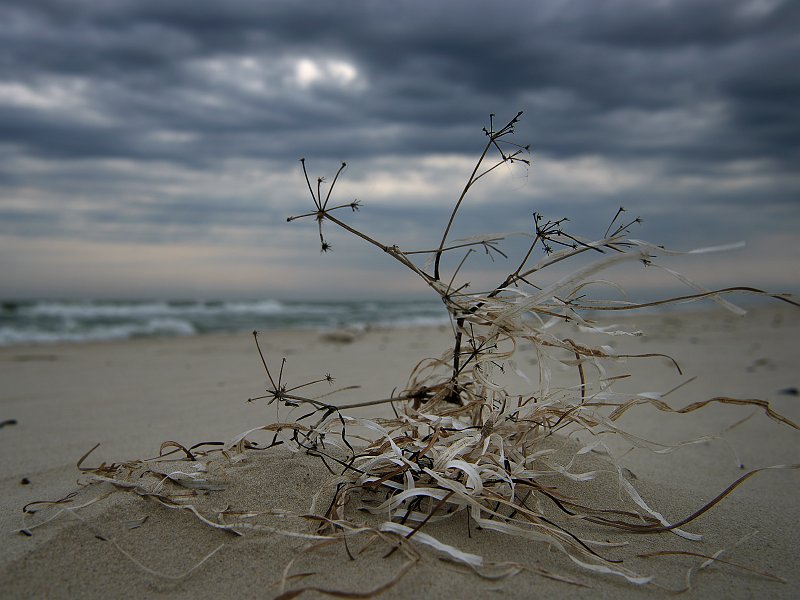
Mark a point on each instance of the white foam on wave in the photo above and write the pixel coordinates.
(155, 327)
(416, 321)
(96, 310)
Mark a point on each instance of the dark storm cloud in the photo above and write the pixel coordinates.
(431, 72)
(116, 117)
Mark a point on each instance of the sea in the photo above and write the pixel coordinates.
(50, 321)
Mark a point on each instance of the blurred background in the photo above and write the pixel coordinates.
(150, 150)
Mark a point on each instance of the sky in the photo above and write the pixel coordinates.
(149, 149)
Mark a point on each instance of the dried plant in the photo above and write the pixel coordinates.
(461, 442)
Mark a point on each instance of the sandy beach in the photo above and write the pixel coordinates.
(58, 401)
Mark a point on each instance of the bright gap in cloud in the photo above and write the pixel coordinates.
(309, 72)
(439, 178)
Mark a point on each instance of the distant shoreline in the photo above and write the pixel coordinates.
(45, 322)
(69, 321)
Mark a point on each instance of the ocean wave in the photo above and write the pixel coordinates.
(73, 321)
(10, 335)
(418, 321)
(94, 310)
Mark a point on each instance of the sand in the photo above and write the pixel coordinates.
(131, 396)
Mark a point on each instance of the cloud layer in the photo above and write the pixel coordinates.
(175, 128)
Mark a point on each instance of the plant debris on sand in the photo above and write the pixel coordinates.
(463, 443)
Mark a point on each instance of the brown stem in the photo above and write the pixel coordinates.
(457, 206)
